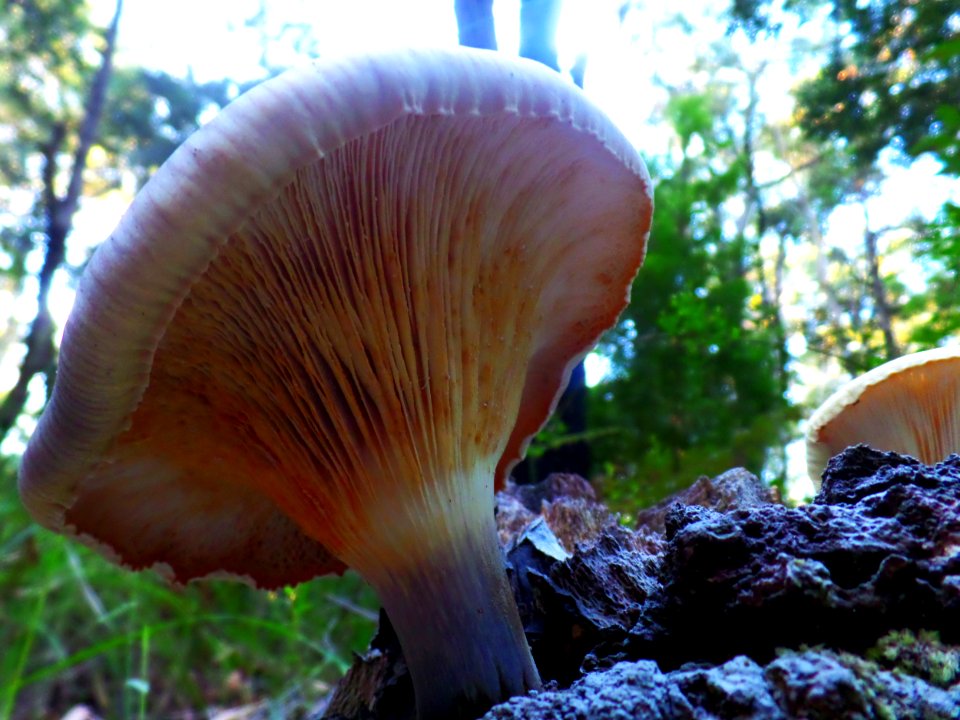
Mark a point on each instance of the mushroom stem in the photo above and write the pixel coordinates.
(460, 630)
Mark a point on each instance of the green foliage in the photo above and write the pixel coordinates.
(943, 140)
(936, 311)
(891, 81)
(75, 629)
(892, 77)
(45, 50)
(754, 18)
(698, 381)
(152, 113)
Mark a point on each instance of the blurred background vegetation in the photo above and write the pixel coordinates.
(805, 155)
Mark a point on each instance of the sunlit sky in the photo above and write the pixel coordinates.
(629, 64)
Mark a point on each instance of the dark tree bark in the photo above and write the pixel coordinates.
(475, 24)
(882, 311)
(570, 457)
(58, 217)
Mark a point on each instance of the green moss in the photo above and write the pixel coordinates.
(921, 655)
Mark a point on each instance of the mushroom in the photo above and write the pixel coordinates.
(910, 405)
(325, 331)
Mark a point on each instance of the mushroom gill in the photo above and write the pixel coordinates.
(909, 405)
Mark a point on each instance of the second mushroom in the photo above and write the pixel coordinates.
(326, 330)
(909, 405)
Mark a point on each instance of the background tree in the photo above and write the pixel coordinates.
(475, 24)
(697, 387)
(53, 130)
(892, 77)
(886, 94)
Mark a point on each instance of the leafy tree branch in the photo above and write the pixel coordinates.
(59, 211)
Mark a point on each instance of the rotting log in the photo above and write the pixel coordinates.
(726, 603)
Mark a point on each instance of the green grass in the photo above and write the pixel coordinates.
(76, 629)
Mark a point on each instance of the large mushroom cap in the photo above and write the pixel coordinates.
(364, 279)
(910, 405)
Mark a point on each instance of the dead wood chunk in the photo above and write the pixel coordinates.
(736, 488)
(877, 551)
(566, 502)
(512, 517)
(556, 486)
(812, 685)
(377, 686)
(573, 605)
(877, 554)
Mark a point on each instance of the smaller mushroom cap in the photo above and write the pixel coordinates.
(908, 405)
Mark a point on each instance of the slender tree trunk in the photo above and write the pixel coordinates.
(882, 311)
(475, 24)
(59, 210)
(814, 231)
(538, 31)
(771, 288)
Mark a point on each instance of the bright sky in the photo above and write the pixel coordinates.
(629, 62)
(216, 43)
(628, 65)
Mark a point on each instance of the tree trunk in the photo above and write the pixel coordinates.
(538, 31)
(475, 24)
(58, 216)
(883, 313)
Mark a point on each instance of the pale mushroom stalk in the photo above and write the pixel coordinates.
(327, 328)
(457, 620)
